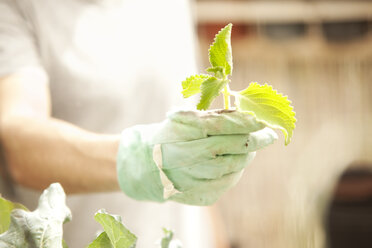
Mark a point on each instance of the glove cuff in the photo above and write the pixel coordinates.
(168, 186)
(138, 175)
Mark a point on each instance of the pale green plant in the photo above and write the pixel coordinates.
(42, 228)
(262, 101)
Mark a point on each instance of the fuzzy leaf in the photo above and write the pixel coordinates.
(210, 89)
(191, 85)
(41, 228)
(64, 244)
(219, 71)
(6, 208)
(220, 53)
(119, 236)
(167, 241)
(102, 241)
(168, 236)
(268, 106)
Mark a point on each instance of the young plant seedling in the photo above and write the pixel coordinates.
(268, 106)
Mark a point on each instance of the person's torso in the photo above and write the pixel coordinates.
(113, 64)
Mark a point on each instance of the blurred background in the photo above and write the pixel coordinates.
(317, 191)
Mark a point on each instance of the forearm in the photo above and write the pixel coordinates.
(40, 151)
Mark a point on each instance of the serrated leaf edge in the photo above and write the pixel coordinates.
(287, 133)
(213, 96)
(185, 89)
(214, 41)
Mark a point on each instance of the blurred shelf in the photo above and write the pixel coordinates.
(282, 11)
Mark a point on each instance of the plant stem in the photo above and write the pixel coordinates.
(226, 97)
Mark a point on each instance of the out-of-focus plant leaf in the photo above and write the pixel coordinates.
(6, 208)
(41, 228)
(167, 241)
(102, 241)
(168, 235)
(64, 245)
(115, 233)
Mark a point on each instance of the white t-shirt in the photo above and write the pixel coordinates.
(110, 64)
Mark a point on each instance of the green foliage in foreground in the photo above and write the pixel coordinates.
(42, 228)
(262, 101)
(6, 207)
(115, 234)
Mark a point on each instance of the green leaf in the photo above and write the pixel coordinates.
(41, 228)
(220, 53)
(6, 208)
(210, 89)
(64, 245)
(219, 71)
(102, 241)
(119, 236)
(268, 106)
(168, 242)
(165, 241)
(191, 85)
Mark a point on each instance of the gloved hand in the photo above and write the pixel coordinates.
(192, 157)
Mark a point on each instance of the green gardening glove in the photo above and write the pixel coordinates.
(192, 157)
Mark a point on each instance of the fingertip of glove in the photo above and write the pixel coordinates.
(261, 139)
(272, 133)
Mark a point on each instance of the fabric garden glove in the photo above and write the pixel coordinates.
(192, 157)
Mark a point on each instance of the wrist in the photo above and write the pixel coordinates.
(138, 175)
(105, 155)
